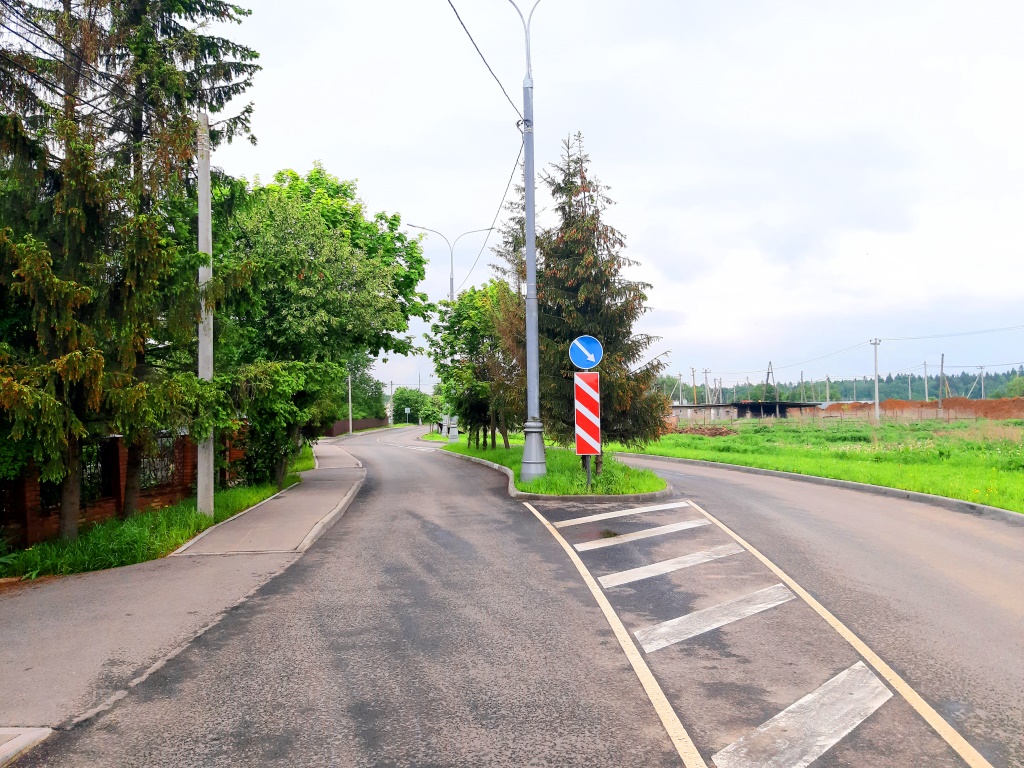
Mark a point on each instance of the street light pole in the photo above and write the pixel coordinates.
(453, 430)
(534, 463)
(205, 449)
(878, 413)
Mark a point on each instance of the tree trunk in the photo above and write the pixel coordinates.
(132, 482)
(598, 464)
(504, 431)
(494, 430)
(280, 470)
(71, 491)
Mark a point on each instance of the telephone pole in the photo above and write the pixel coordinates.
(926, 381)
(942, 377)
(878, 413)
(679, 378)
(204, 476)
(982, 382)
(828, 393)
(350, 403)
(802, 398)
(707, 390)
(693, 375)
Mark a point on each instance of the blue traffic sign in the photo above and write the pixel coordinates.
(585, 352)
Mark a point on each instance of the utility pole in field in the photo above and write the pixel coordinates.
(942, 377)
(983, 382)
(693, 375)
(707, 390)
(679, 378)
(828, 392)
(926, 381)
(204, 476)
(802, 398)
(878, 413)
(910, 386)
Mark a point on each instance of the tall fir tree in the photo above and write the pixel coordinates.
(582, 290)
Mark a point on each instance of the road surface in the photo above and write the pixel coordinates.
(440, 623)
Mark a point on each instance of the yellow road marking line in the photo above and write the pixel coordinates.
(949, 734)
(669, 719)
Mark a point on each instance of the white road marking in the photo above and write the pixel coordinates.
(667, 566)
(627, 537)
(619, 513)
(669, 719)
(14, 741)
(697, 623)
(407, 447)
(949, 734)
(806, 730)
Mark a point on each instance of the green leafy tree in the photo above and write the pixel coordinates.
(581, 290)
(412, 399)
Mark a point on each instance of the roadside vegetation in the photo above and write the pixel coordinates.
(972, 461)
(565, 475)
(145, 536)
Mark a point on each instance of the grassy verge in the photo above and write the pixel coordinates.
(979, 462)
(304, 461)
(146, 536)
(435, 437)
(565, 476)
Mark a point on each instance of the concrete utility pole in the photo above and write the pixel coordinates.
(350, 403)
(707, 390)
(828, 391)
(204, 476)
(942, 377)
(982, 382)
(802, 398)
(693, 375)
(926, 381)
(679, 377)
(534, 461)
(878, 412)
(910, 386)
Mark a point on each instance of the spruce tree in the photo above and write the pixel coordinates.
(582, 290)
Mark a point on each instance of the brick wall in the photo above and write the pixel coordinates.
(27, 522)
(341, 427)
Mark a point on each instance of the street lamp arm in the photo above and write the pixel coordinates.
(428, 229)
(526, 30)
(471, 232)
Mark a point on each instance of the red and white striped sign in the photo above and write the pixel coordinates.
(588, 414)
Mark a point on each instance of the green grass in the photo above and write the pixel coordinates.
(972, 461)
(435, 437)
(304, 461)
(145, 536)
(565, 475)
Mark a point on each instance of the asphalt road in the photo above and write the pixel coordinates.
(440, 623)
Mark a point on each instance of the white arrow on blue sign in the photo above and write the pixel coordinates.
(585, 352)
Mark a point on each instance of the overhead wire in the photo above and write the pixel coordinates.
(482, 58)
(952, 335)
(496, 215)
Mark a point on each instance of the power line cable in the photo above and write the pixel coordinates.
(952, 335)
(496, 215)
(485, 61)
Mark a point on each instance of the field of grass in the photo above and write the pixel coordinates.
(565, 475)
(146, 536)
(973, 461)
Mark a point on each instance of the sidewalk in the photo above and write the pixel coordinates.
(67, 645)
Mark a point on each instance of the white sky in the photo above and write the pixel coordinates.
(793, 177)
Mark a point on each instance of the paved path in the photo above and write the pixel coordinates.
(68, 644)
(440, 623)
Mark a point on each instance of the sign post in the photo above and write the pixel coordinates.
(407, 412)
(586, 352)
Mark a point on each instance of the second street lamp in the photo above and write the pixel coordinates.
(453, 431)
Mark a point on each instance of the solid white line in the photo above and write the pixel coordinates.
(697, 623)
(806, 730)
(669, 719)
(619, 513)
(668, 566)
(627, 537)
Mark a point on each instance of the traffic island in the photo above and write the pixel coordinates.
(566, 478)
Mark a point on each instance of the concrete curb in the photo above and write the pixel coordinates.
(515, 494)
(346, 436)
(955, 505)
(180, 550)
(327, 521)
(24, 739)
